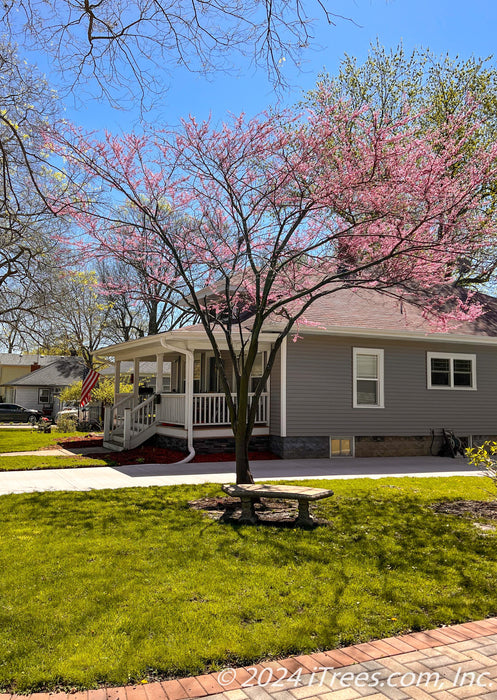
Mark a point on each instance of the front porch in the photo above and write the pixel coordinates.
(129, 422)
(183, 399)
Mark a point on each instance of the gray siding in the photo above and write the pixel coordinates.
(275, 397)
(319, 390)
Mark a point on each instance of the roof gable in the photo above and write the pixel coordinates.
(64, 371)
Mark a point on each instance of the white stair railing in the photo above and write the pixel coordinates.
(114, 415)
(138, 420)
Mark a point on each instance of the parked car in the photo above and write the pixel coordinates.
(69, 411)
(13, 413)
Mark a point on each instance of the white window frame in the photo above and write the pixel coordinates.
(50, 393)
(379, 352)
(451, 356)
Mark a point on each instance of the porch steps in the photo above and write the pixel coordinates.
(115, 442)
(113, 446)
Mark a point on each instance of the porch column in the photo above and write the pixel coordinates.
(189, 390)
(159, 374)
(283, 351)
(136, 378)
(117, 378)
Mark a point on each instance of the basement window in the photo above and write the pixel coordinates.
(341, 447)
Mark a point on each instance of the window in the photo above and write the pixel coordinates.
(451, 371)
(368, 378)
(341, 446)
(257, 370)
(197, 374)
(45, 395)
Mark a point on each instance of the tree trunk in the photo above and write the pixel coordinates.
(243, 473)
(242, 437)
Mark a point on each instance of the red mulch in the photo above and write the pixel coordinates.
(83, 441)
(154, 455)
(159, 455)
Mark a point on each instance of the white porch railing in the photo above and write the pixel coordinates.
(212, 409)
(134, 424)
(172, 409)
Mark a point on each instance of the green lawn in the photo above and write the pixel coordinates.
(12, 440)
(119, 586)
(8, 464)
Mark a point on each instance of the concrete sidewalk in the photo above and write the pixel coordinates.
(55, 452)
(88, 478)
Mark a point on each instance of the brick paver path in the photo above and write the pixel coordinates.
(446, 664)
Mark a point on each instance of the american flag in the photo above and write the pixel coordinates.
(90, 378)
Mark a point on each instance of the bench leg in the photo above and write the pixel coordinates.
(248, 512)
(304, 519)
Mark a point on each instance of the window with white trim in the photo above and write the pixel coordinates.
(45, 395)
(451, 371)
(368, 387)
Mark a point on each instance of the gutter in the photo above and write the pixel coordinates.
(188, 397)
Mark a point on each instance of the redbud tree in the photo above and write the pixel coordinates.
(255, 220)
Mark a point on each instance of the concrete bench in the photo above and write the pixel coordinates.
(250, 492)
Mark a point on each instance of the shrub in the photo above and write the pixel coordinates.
(485, 457)
(66, 424)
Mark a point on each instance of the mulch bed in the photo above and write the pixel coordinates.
(274, 512)
(84, 441)
(160, 455)
(473, 509)
(153, 455)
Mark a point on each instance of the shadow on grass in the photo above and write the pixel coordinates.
(114, 585)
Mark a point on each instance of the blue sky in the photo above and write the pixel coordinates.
(444, 26)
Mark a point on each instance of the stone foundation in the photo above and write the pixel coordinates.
(395, 446)
(300, 447)
(319, 447)
(408, 446)
(258, 443)
(480, 439)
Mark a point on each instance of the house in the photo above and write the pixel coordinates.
(40, 388)
(16, 365)
(369, 377)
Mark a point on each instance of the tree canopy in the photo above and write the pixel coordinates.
(275, 212)
(435, 89)
(29, 254)
(128, 50)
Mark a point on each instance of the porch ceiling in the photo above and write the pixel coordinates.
(146, 349)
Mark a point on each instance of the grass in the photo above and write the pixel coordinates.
(12, 440)
(29, 463)
(119, 586)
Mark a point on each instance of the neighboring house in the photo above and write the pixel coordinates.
(147, 374)
(16, 365)
(369, 377)
(40, 389)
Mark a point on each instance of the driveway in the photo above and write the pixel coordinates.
(89, 478)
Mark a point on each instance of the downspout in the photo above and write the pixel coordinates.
(188, 398)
